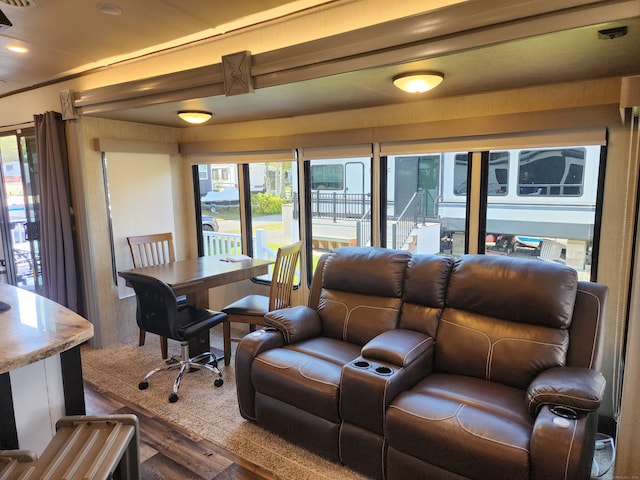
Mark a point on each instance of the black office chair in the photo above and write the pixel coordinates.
(158, 312)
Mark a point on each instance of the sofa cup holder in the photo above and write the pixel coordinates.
(383, 371)
(361, 364)
(564, 412)
(379, 369)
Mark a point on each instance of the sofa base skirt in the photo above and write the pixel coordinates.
(362, 450)
(400, 466)
(304, 429)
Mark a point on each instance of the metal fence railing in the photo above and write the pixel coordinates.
(339, 206)
(408, 219)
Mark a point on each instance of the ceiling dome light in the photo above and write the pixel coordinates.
(17, 48)
(109, 9)
(418, 82)
(195, 117)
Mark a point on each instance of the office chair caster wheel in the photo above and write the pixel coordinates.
(173, 398)
(143, 385)
(218, 382)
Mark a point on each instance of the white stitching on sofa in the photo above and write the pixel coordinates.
(349, 312)
(297, 364)
(413, 414)
(513, 339)
(271, 364)
(492, 344)
(573, 437)
(282, 328)
(315, 379)
(367, 307)
(593, 344)
(483, 437)
(404, 359)
(564, 395)
(456, 415)
(346, 314)
(486, 369)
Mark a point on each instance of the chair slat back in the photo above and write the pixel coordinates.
(284, 272)
(149, 250)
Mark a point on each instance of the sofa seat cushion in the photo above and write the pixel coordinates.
(466, 425)
(305, 376)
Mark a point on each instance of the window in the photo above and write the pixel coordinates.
(340, 203)
(556, 172)
(426, 203)
(21, 210)
(272, 214)
(498, 173)
(270, 196)
(327, 177)
(549, 212)
(220, 212)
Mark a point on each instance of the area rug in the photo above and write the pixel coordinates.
(207, 411)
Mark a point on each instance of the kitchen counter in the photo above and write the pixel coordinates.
(40, 367)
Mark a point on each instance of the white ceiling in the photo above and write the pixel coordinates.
(71, 36)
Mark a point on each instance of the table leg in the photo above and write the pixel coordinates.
(202, 342)
(226, 332)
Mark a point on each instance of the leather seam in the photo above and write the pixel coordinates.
(483, 437)
(406, 355)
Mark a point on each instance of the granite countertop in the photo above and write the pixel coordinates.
(35, 328)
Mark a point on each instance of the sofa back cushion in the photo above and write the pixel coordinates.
(361, 293)
(425, 288)
(507, 319)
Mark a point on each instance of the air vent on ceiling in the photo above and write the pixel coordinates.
(4, 22)
(19, 3)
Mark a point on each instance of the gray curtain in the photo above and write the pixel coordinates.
(59, 276)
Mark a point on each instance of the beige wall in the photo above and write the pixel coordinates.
(114, 319)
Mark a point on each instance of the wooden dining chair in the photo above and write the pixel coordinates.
(149, 250)
(252, 308)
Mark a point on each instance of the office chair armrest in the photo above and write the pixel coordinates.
(295, 323)
(572, 390)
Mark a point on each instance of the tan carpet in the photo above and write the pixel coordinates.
(202, 408)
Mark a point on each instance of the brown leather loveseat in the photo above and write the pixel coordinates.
(420, 366)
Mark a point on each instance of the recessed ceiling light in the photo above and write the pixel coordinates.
(109, 9)
(17, 48)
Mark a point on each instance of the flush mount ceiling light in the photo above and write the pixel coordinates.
(194, 117)
(17, 48)
(418, 82)
(109, 9)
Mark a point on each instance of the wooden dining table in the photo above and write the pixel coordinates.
(194, 277)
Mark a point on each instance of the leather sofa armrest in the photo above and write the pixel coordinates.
(295, 323)
(398, 347)
(573, 390)
(248, 349)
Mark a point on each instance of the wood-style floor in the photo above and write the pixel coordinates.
(169, 453)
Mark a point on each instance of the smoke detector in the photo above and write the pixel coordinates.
(611, 33)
